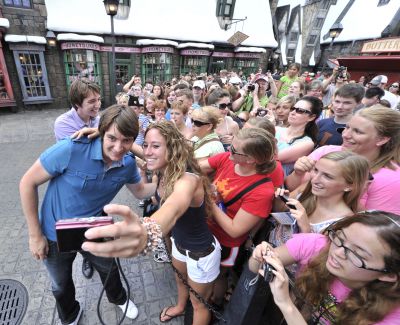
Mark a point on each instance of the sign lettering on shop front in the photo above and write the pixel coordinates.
(383, 45)
(80, 45)
(195, 52)
(157, 49)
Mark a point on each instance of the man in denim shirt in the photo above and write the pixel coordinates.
(83, 176)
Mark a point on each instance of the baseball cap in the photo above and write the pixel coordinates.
(380, 79)
(199, 83)
(235, 80)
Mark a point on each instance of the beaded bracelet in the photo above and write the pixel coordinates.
(154, 234)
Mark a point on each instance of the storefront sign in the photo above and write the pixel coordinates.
(223, 54)
(247, 55)
(80, 46)
(383, 45)
(157, 49)
(119, 49)
(196, 52)
(238, 38)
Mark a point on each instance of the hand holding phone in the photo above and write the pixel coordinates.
(268, 274)
(285, 200)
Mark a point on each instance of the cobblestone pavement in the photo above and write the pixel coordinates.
(23, 136)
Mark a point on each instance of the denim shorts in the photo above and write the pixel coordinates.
(206, 269)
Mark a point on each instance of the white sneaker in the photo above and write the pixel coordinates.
(132, 311)
(75, 322)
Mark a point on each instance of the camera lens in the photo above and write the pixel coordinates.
(251, 87)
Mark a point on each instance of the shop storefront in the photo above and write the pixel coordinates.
(379, 57)
(156, 59)
(6, 92)
(81, 60)
(247, 59)
(194, 57)
(221, 61)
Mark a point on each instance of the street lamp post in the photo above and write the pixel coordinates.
(111, 7)
(334, 32)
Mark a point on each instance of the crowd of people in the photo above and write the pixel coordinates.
(214, 155)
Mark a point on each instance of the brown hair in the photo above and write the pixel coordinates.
(373, 301)
(124, 119)
(180, 159)
(260, 145)
(80, 89)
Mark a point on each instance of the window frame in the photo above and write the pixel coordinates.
(13, 5)
(163, 73)
(37, 50)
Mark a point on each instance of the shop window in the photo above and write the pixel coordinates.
(291, 53)
(193, 64)
(82, 64)
(247, 66)
(32, 75)
(157, 67)
(311, 40)
(18, 3)
(293, 36)
(319, 22)
(124, 68)
(383, 2)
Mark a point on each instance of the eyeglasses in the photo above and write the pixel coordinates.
(224, 106)
(199, 124)
(395, 86)
(300, 110)
(353, 257)
(234, 152)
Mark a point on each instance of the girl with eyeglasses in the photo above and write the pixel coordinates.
(372, 132)
(299, 138)
(227, 128)
(348, 275)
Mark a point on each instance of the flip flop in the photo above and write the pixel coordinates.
(164, 313)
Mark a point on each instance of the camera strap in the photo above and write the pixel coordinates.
(211, 308)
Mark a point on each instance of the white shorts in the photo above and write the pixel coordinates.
(206, 269)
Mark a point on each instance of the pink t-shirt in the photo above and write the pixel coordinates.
(303, 247)
(382, 192)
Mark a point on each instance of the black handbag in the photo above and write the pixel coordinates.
(251, 302)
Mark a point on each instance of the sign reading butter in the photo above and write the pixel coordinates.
(238, 38)
(383, 45)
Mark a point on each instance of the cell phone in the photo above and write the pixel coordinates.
(285, 200)
(268, 275)
(71, 232)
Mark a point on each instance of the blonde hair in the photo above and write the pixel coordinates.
(178, 105)
(387, 124)
(290, 99)
(260, 145)
(353, 168)
(208, 114)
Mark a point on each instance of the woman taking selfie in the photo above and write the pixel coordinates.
(373, 132)
(333, 192)
(348, 275)
(299, 138)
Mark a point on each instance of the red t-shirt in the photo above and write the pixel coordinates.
(257, 202)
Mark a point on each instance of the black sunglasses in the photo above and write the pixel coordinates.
(199, 123)
(300, 110)
(224, 106)
(234, 152)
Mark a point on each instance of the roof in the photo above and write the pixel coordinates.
(364, 20)
(189, 20)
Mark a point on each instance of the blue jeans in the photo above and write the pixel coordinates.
(59, 267)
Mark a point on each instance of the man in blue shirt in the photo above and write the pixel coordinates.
(83, 176)
(345, 101)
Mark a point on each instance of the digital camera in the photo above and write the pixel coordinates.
(261, 112)
(342, 71)
(71, 232)
(268, 274)
(251, 87)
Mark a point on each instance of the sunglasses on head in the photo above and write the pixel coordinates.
(300, 110)
(224, 106)
(199, 123)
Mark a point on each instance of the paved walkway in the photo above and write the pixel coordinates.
(23, 136)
